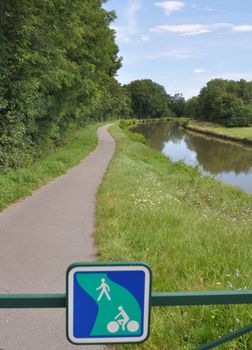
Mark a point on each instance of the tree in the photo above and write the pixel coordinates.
(192, 107)
(226, 102)
(148, 99)
(58, 60)
(231, 110)
(177, 104)
(114, 102)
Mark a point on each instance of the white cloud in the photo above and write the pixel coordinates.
(242, 28)
(203, 8)
(132, 9)
(170, 6)
(145, 38)
(197, 29)
(177, 54)
(199, 70)
(125, 33)
(121, 33)
(183, 29)
(172, 55)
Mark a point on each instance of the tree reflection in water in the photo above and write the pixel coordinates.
(225, 160)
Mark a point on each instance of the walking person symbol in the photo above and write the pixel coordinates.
(104, 290)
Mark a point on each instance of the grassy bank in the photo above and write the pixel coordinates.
(243, 134)
(21, 182)
(194, 232)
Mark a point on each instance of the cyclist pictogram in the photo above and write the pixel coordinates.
(122, 320)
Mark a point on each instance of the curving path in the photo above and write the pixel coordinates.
(39, 238)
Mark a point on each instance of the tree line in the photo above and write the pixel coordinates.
(58, 62)
(226, 102)
(58, 66)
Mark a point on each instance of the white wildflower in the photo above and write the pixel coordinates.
(237, 272)
(230, 285)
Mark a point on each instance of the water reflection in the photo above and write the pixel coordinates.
(227, 161)
(215, 156)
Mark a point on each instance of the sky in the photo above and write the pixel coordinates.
(183, 44)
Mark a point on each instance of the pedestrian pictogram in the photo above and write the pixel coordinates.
(108, 303)
(104, 289)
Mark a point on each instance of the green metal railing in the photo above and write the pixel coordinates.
(157, 299)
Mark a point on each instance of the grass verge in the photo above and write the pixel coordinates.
(19, 183)
(194, 232)
(241, 134)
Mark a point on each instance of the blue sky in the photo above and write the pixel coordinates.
(183, 44)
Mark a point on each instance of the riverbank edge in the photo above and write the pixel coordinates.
(185, 123)
(208, 132)
(19, 183)
(150, 209)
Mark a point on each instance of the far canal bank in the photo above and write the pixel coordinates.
(238, 134)
(227, 161)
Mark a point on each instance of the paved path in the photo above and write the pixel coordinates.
(39, 238)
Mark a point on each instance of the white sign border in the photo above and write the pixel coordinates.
(108, 268)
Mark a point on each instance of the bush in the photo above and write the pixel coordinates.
(125, 125)
(226, 102)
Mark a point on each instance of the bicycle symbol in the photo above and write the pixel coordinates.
(123, 322)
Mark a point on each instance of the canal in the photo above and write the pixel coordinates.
(226, 161)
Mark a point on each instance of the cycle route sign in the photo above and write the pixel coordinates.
(108, 303)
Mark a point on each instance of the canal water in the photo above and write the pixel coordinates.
(226, 161)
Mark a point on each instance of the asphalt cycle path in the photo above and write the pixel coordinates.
(39, 238)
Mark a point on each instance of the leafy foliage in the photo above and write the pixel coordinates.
(148, 99)
(191, 107)
(58, 60)
(226, 102)
(177, 104)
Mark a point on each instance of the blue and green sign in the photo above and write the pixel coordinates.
(108, 303)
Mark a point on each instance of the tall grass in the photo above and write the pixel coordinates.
(194, 232)
(19, 183)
